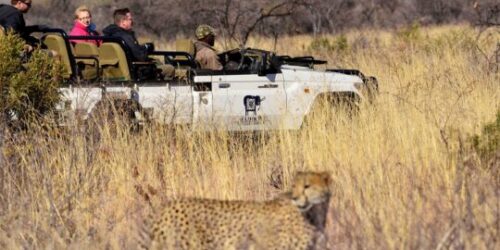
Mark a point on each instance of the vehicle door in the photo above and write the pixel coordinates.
(247, 101)
(78, 99)
(202, 102)
(171, 103)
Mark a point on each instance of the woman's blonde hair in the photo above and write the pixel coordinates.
(82, 9)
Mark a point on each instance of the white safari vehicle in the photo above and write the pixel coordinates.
(256, 90)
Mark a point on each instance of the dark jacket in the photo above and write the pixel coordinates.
(13, 19)
(139, 52)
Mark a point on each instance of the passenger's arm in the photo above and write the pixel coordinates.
(141, 53)
(213, 62)
(13, 22)
(34, 28)
(138, 51)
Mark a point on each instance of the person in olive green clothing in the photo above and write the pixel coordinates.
(206, 55)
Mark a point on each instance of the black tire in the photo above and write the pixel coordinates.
(114, 113)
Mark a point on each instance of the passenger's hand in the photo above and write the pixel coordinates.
(28, 48)
(150, 47)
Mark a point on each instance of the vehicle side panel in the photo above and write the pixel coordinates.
(303, 86)
(248, 102)
(171, 104)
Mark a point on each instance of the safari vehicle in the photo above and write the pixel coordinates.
(256, 90)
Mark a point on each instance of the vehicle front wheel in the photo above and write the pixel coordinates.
(113, 115)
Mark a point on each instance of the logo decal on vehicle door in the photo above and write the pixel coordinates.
(252, 107)
(252, 104)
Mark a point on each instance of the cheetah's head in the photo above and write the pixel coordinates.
(310, 188)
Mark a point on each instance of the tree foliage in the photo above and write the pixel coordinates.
(236, 19)
(488, 143)
(28, 87)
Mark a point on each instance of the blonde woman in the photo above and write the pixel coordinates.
(83, 25)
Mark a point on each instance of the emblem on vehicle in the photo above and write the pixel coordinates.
(252, 104)
(252, 107)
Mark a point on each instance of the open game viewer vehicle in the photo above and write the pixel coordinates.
(256, 90)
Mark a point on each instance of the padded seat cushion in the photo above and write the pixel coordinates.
(88, 67)
(86, 50)
(185, 45)
(114, 62)
(56, 43)
(109, 62)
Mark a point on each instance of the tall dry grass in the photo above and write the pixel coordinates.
(404, 177)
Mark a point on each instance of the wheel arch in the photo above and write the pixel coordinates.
(343, 99)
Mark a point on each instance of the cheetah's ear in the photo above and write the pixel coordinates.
(299, 174)
(326, 176)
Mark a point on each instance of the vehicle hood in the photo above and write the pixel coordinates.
(295, 73)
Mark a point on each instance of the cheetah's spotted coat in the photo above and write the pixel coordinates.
(295, 220)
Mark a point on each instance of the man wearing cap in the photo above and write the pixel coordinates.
(11, 18)
(205, 53)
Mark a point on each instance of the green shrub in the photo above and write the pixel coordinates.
(339, 44)
(320, 44)
(29, 89)
(487, 144)
(410, 34)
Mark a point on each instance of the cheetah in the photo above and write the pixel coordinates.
(293, 220)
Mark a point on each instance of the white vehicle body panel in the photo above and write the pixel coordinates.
(202, 105)
(304, 85)
(237, 102)
(251, 102)
(80, 101)
(171, 104)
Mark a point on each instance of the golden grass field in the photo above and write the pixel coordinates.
(403, 174)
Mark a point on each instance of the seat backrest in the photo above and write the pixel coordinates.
(88, 67)
(185, 45)
(86, 49)
(113, 62)
(56, 43)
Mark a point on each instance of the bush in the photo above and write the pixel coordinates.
(410, 34)
(320, 44)
(28, 88)
(487, 144)
(340, 44)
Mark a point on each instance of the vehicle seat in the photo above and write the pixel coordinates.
(56, 43)
(185, 45)
(89, 66)
(113, 62)
(183, 68)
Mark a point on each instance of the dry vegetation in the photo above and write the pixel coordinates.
(404, 174)
(236, 19)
